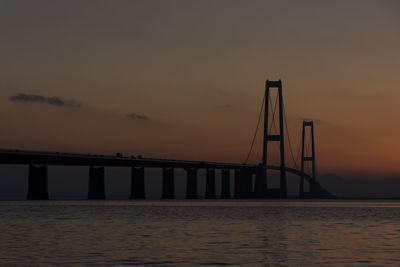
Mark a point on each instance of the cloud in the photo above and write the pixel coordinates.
(59, 102)
(55, 101)
(135, 116)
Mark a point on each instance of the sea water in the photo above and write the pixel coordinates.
(173, 233)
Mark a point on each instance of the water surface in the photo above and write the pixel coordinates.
(271, 233)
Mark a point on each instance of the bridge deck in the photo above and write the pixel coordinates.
(69, 159)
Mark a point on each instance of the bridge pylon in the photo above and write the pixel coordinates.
(306, 158)
(277, 137)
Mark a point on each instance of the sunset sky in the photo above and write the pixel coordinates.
(185, 79)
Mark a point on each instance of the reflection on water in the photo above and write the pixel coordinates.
(288, 233)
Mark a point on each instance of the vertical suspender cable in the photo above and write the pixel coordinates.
(287, 133)
(255, 133)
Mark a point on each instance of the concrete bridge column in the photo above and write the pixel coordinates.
(168, 184)
(225, 184)
(243, 183)
(191, 184)
(137, 183)
(37, 183)
(238, 193)
(247, 180)
(210, 184)
(260, 185)
(96, 183)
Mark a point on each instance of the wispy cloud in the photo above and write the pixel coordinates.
(135, 116)
(59, 102)
(39, 99)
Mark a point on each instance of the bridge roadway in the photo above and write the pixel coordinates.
(69, 159)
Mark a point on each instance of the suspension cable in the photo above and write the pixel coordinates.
(272, 125)
(255, 133)
(273, 122)
(287, 132)
(299, 150)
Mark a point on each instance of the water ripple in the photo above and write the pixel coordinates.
(264, 233)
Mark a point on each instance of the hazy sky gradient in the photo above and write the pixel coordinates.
(185, 79)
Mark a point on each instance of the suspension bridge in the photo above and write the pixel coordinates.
(250, 180)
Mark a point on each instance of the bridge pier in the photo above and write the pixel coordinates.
(247, 179)
(210, 184)
(243, 183)
(137, 183)
(168, 184)
(238, 185)
(96, 183)
(225, 184)
(191, 184)
(37, 183)
(260, 185)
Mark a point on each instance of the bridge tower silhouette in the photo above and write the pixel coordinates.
(307, 158)
(277, 137)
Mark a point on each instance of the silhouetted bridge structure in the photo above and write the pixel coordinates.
(244, 174)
